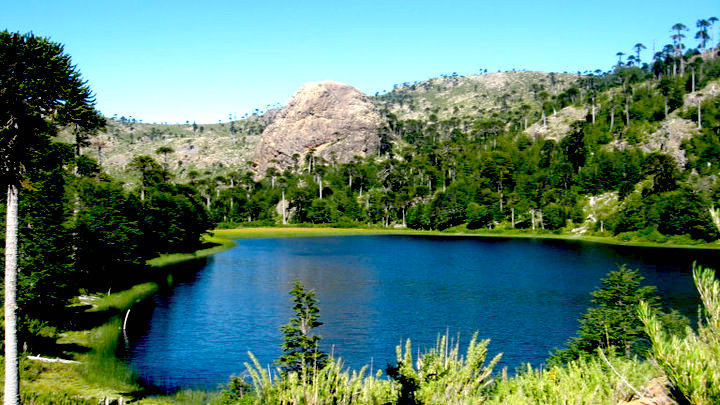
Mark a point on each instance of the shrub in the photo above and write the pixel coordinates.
(692, 362)
(442, 375)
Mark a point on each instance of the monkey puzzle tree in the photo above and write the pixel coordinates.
(40, 91)
(300, 347)
(638, 47)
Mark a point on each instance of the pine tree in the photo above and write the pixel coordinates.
(613, 322)
(300, 347)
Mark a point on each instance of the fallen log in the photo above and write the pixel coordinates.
(55, 360)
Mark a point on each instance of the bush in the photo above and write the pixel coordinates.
(441, 375)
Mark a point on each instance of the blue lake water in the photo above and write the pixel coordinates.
(376, 291)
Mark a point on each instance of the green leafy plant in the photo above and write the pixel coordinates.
(692, 362)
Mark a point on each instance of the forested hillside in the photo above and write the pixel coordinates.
(631, 152)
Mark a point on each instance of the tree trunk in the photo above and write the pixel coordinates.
(612, 117)
(666, 106)
(593, 110)
(627, 112)
(12, 387)
(512, 217)
(693, 81)
(500, 193)
(532, 218)
(682, 65)
(700, 114)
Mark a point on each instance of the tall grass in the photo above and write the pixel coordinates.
(692, 362)
(125, 299)
(442, 375)
(101, 366)
(588, 380)
(220, 243)
(330, 385)
(186, 397)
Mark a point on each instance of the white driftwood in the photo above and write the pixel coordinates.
(55, 360)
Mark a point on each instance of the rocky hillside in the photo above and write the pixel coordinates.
(452, 96)
(203, 149)
(335, 123)
(327, 120)
(332, 120)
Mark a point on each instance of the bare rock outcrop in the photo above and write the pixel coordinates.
(330, 120)
(557, 125)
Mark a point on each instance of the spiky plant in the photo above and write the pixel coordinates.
(691, 363)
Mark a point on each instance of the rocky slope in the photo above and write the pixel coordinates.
(205, 149)
(475, 95)
(326, 120)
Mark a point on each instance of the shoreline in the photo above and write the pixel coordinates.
(290, 232)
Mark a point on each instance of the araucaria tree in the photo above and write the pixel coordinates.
(40, 91)
(613, 322)
(300, 346)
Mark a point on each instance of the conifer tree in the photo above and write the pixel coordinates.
(40, 91)
(300, 346)
(613, 321)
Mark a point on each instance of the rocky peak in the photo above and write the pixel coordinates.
(328, 119)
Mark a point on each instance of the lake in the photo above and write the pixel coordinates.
(376, 291)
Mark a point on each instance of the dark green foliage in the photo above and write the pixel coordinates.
(612, 322)
(300, 345)
(37, 77)
(46, 277)
(554, 216)
(173, 218)
(683, 212)
(574, 147)
(663, 171)
(108, 237)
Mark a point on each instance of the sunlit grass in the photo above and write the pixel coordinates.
(460, 231)
(123, 300)
(186, 397)
(290, 232)
(221, 243)
(330, 385)
(584, 381)
(691, 362)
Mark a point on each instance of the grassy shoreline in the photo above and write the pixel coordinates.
(320, 231)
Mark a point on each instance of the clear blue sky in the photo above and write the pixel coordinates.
(172, 61)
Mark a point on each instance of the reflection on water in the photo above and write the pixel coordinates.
(376, 291)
